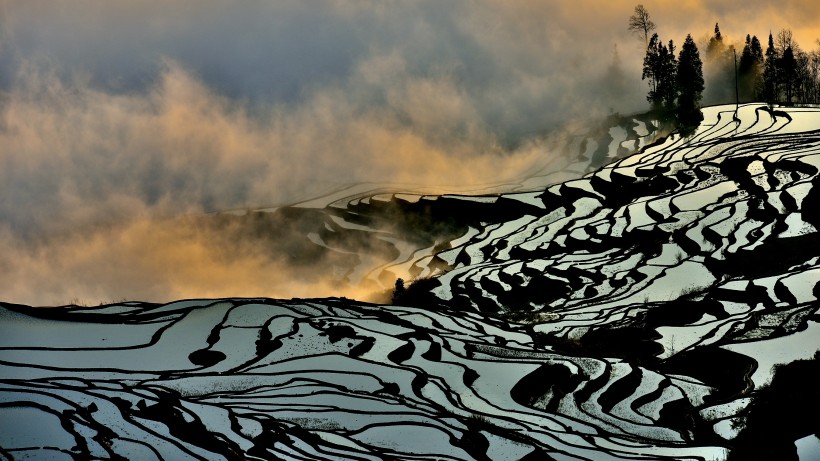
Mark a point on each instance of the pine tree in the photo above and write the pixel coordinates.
(690, 85)
(651, 69)
(668, 79)
(750, 70)
(769, 92)
(788, 72)
(660, 67)
(715, 46)
(719, 66)
(757, 69)
(757, 50)
(746, 54)
(745, 68)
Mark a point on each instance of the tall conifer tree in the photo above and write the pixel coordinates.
(660, 67)
(668, 81)
(690, 85)
(750, 70)
(770, 93)
(715, 46)
(788, 72)
(651, 67)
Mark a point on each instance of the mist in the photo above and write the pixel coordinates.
(117, 119)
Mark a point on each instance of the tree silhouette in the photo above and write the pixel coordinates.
(788, 73)
(770, 73)
(720, 69)
(690, 85)
(750, 70)
(640, 24)
(651, 68)
(807, 84)
(668, 87)
(786, 65)
(715, 46)
(660, 68)
(399, 291)
(784, 39)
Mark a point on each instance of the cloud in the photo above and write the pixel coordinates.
(89, 178)
(160, 261)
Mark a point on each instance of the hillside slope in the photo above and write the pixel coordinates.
(638, 312)
(363, 236)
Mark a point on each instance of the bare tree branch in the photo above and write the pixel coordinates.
(640, 24)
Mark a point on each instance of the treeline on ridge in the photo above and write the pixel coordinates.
(782, 74)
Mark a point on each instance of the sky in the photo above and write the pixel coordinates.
(117, 117)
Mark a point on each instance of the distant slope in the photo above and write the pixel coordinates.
(364, 236)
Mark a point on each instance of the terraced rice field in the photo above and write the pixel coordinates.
(635, 312)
